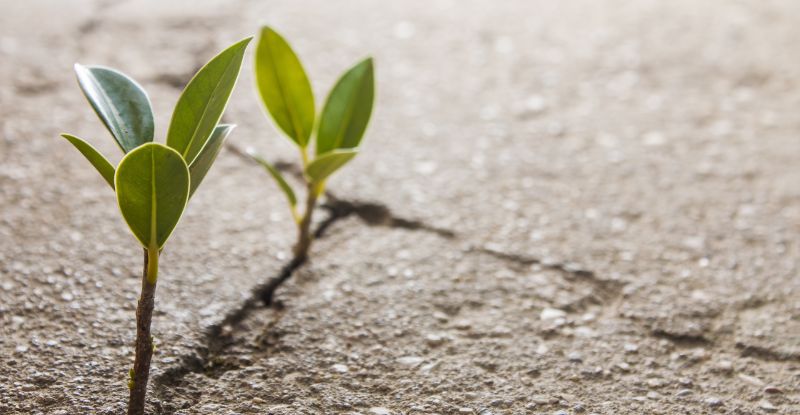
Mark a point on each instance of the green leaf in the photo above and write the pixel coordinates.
(152, 184)
(282, 183)
(199, 168)
(347, 109)
(203, 101)
(324, 165)
(120, 102)
(99, 162)
(284, 87)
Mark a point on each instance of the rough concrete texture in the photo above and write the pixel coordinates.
(561, 207)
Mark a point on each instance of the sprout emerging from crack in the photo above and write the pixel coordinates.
(286, 93)
(153, 182)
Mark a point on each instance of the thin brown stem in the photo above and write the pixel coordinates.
(144, 341)
(304, 237)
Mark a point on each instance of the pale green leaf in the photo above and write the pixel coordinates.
(200, 166)
(282, 183)
(152, 183)
(325, 164)
(99, 162)
(120, 102)
(203, 101)
(347, 109)
(284, 86)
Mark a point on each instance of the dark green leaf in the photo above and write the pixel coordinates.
(199, 168)
(347, 109)
(98, 161)
(284, 86)
(203, 101)
(282, 183)
(324, 165)
(120, 102)
(152, 184)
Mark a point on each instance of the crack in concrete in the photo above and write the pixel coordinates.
(217, 336)
(766, 354)
(371, 213)
(608, 291)
(682, 339)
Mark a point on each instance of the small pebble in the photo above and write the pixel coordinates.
(575, 357)
(410, 360)
(434, 339)
(552, 314)
(631, 348)
(751, 379)
(340, 368)
(713, 402)
(725, 366)
(463, 324)
(379, 410)
(772, 390)
(684, 392)
(767, 406)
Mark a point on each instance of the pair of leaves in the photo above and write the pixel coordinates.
(286, 92)
(194, 136)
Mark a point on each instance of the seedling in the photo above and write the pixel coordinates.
(286, 92)
(154, 182)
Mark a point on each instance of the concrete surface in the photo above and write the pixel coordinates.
(621, 179)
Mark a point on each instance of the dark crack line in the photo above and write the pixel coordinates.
(682, 339)
(568, 269)
(371, 213)
(606, 293)
(218, 336)
(766, 354)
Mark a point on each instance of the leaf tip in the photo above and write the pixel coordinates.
(242, 44)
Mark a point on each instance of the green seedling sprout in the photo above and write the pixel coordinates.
(153, 182)
(286, 93)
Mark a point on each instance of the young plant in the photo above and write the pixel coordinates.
(286, 92)
(154, 182)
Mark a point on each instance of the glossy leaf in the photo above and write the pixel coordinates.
(282, 183)
(99, 162)
(120, 102)
(347, 109)
(152, 185)
(199, 168)
(324, 165)
(203, 101)
(284, 86)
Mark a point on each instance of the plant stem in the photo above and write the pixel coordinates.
(144, 341)
(304, 226)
